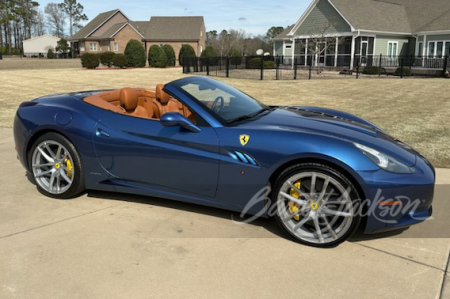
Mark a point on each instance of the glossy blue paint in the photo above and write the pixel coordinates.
(206, 164)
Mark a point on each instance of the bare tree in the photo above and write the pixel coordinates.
(39, 23)
(322, 40)
(55, 19)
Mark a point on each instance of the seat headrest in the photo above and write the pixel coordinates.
(161, 95)
(128, 98)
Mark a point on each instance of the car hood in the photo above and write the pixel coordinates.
(335, 124)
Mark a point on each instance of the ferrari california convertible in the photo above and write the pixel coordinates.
(321, 173)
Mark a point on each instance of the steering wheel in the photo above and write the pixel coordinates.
(215, 107)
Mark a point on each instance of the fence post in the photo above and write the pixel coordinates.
(380, 65)
(310, 68)
(228, 67)
(445, 65)
(357, 68)
(277, 69)
(186, 64)
(262, 68)
(207, 66)
(295, 68)
(401, 67)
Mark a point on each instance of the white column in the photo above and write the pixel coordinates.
(306, 52)
(424, 49)
(352, 52)
(425, 45)
(336, 51)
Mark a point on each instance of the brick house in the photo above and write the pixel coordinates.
(112, 30)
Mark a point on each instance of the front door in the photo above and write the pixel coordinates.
(143, 152)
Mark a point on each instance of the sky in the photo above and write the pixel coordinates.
(254, 17)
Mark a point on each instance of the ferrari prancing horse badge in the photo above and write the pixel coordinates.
(244, 139)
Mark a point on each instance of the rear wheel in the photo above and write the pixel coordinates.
(56, 166)
(316, 204)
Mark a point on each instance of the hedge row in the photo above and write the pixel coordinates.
(109, 59)
(134, 56)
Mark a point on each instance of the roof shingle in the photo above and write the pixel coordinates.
(92, 25)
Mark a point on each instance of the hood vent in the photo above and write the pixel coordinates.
(242, 157)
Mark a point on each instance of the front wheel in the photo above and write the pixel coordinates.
(316, 204)
(56, 166)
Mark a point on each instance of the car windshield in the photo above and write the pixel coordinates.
(226, 102)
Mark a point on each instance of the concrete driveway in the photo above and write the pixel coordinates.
(104, 245)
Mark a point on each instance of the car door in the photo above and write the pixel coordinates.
(144, 152)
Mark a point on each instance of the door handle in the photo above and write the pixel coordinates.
(101, 133)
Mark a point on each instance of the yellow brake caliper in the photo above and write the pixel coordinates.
(69, 167)
(293, 207)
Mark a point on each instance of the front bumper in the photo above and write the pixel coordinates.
(395, 201)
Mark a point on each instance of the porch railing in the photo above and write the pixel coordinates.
(288, 67)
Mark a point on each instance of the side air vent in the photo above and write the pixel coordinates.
(242, 157)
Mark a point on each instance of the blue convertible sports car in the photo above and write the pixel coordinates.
(321, 173)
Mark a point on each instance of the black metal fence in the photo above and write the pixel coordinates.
(314, 67)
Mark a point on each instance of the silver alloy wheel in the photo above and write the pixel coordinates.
(52, 167)
(324, 210)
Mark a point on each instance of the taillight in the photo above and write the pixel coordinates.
(27, 104)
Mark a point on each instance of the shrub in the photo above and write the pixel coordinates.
(170, 55)
(236, 56)
(120, 61)
(406, 71)
(50, 54)
(254, 63)
(90, 60)
(185, 52)
(135, 53)
(269, 64)
(156, 56)
(209, 52)
(371, 70)
(106, 58)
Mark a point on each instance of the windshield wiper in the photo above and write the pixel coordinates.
(247, 116)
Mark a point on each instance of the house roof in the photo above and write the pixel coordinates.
(94, 24)
(172, 28)
(432, 15)
(284, 34)
(393, 16)
(374, 15)
(41, 36)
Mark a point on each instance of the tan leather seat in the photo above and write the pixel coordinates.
(129, 101)
(99, 102)
(165, 103)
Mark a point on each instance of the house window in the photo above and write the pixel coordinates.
(82, 49)
(92, 47)
(115, 47)
(431, 49)
(438, 49)
(420, 52)
(392, 49)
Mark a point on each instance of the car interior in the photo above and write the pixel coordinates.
(139, 102)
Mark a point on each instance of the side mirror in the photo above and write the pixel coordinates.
(171, 119)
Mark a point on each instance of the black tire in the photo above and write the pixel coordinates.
(67, 169)
(314, 208)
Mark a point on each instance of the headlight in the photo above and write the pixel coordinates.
(384, 161)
